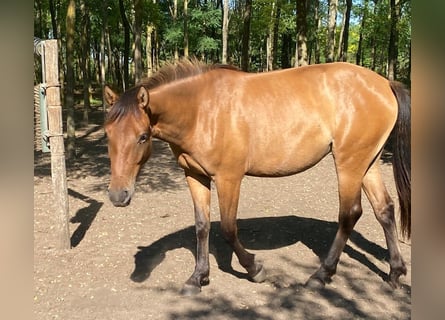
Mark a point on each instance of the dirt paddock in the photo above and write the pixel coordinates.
(288, 223)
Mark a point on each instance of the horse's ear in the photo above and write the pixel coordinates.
(110, 96)
(143, 97)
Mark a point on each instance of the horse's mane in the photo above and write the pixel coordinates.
(182, 69)
(170, 72)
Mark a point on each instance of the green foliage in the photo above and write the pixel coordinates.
(204, 30)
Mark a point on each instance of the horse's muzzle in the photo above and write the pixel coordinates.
(120, 198)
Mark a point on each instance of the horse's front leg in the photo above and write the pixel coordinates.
(228, 195)
(200, 191)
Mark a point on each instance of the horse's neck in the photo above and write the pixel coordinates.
(173, 113)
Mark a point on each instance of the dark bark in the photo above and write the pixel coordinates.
(138, 40)
(245, 60)
(126, 25)
(302, 54)
(69, 94)
(393, 40)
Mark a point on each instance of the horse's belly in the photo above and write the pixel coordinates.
(279, 161)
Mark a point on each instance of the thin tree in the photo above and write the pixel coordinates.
(52, 10)
(393, 40)
(359, 53)
(55, 30)
(373, 39)
(316, 8)
(330, 48)
(245, 59)
(126, 43)
(85, 59)
(137, 32)
(102, 51)
(225, 30)
(186, 30)
(174, 13)
(301, 52)
(272, 37)
(69, 94)
(276, 23)
(344, 36)
(149, 48)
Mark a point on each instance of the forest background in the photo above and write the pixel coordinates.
(120, 42)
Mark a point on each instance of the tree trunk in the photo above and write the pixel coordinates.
(69, 96)
(225, 31)
(55, 30)
(157, 51)
(374, 42)
(102, 51)
(52, 10)
(359, 53)
(186, 30)
(137, 32)
(340, 37)
(272, 35)
(302, 56)
(343, 44)
(85, 59)
(318, 27)
(276, 23)
(330, 48)
(111, 62)
(409, 63)
(175, 17)
(245, 60)
(149, 50)
(286, 43)
(393, 40)
(126, 43)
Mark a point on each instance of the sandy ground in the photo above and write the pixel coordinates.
(288, 223)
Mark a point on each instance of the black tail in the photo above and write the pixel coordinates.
(402, 155)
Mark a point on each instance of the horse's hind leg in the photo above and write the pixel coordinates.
(228, 195)
(384, 211)
(349, 182)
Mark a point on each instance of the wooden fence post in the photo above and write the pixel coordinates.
(55, 128)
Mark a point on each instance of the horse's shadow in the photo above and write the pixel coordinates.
(258, 234)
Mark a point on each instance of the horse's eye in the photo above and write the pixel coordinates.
(143, 138)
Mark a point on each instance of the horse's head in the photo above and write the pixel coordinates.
(129, 140)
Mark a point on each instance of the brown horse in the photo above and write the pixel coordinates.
(222, 124)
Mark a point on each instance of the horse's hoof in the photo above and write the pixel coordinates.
(190, 290)
(139, 277)
(394, 283)
(260, 276)
(394, 275)
(314, 283)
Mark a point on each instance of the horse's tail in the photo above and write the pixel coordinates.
(402, 154)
